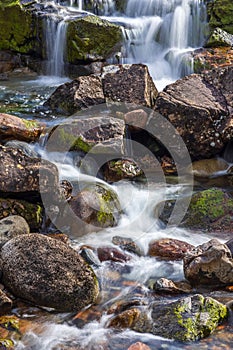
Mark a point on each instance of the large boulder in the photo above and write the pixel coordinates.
(90, 38)
(210, 210)
(14, 128)
(200, 108)
(48, 273)
(20, 173)
(210, 263)
(129, 83)
(33, 213)
(221, 14)
(20, 28)
(95, 134)
(78, 94)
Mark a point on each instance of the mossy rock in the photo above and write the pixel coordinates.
(20, 33)
(210, 210)
(221, 14)
(91, 38)
(32, 213)
(188, 319)
(219, 38)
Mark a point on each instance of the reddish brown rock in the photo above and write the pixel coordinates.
(169, 248)
(112, 254)
(139, 346)
(14, 128)
(163, 285)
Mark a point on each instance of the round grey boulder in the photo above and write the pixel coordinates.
(48, 273)
(12, 226)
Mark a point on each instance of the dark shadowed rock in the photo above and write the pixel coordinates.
(169, 248)
(11, 227)
(130, 84)
(14, 128)
(5, 304)
(81, 93)
(21, 174)
(210, 264)
(116, 170)
(48, 273)
(31, 212)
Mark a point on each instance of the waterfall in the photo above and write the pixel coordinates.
(161, 34)
(55, 35)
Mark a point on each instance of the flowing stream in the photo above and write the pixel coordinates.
(159, 33)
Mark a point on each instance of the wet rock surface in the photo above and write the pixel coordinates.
(121, 169)
(169, 248)
(47, 272)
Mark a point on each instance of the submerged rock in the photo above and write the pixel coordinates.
(169, 248)
(188, 319)
(11, 227)
(112, 254)
(48, 273)
(139, 346)
(127, 244)
(14, 128)
(210, 210)
(210, 167)
(81, 93)
(210, 263)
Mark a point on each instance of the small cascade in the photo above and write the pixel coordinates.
(55, 34)
(161, 34)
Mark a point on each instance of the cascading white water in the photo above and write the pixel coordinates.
(55, 35)
(161, 33)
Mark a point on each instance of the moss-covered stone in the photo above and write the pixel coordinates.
(188, 319)
(221, 14)
(219, 38)
(90, 38)
(209, 210)
(18, 28)
(32, 213)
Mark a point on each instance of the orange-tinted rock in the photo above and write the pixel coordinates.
(169, 248)
(205, 59)
(139, 346)
(14, 128)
